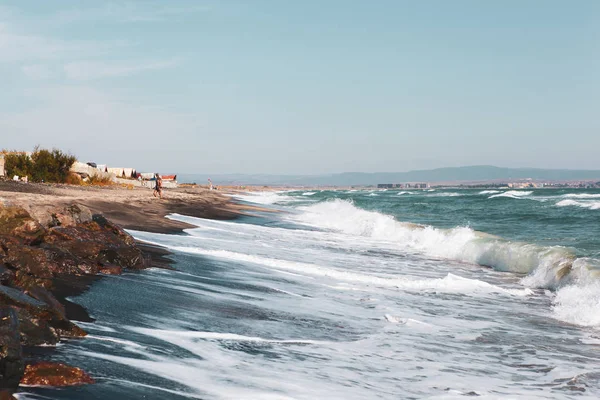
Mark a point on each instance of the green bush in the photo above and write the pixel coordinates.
(43, 165)
(19, 164)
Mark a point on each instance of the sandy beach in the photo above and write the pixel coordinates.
(130, 208)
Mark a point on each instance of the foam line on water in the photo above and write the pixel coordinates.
(451, 283)
(581, 195)
(591, 205)
(195, 335)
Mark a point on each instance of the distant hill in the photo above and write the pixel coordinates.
(478, 173)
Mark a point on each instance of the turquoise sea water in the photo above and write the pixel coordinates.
(441, 294)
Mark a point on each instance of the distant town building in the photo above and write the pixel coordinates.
(403, 185)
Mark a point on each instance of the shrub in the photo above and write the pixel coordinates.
(51, 166)
(19, 164)
(99, 180)
(73, 179)
(43, 165)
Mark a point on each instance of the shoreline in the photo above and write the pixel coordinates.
(74, 229)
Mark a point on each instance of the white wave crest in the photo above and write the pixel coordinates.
(308, 193)
(445, 194)
(404, 192)
(489, 192)
(264, 197)
(460, 243)
(580, 303)
(592, 205)
(513, 194)
(582, 195)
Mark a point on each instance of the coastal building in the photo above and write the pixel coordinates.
(2, 173)
(86, 171)
(118, 172)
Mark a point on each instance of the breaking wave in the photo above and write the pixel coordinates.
(460, 243)
(592, 205)
(576, 280)
(513, 194)
(489, 192)
(582, 196)
(265, 198)
(446, 194)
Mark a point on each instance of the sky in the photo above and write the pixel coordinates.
(303, 87)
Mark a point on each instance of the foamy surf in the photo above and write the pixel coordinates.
(460, 243)
(512, 194)
(451, 283)
(590, 205)
(265, 198)
(484, 192)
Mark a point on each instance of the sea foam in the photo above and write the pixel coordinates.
(460, 243)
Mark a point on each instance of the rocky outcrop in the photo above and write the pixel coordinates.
(36, 258)
(54, 374)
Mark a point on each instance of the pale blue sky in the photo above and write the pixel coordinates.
(304, 86)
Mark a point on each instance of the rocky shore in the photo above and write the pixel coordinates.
(55, 241)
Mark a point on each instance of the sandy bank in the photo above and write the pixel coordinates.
(130, 208)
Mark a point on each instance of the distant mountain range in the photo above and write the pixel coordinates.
(478, 173)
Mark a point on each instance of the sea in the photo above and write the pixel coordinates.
(357, 294)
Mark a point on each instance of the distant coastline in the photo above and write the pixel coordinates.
(454, 176)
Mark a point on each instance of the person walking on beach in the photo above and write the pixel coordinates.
(158, 186)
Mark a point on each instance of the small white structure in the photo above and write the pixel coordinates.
(147, 175)
(118, 172)
(129, 172)
(2, 173)
(85, 171)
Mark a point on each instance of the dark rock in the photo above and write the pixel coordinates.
(45, 296)
(35, 330)
(30, 260)
(6, 275)
(16, 222)
(14, 297)
(6, 395)
(117, 230)
(54, 374)
(39, 268)
(111, 270)
(71, 215)
(11, 356)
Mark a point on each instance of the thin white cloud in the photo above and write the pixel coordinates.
(19, 47)
(86, 70)
(37, 71)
